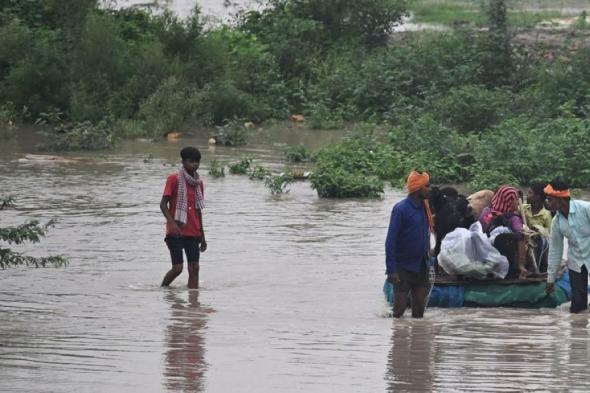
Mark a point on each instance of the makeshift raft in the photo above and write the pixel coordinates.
(525, 293)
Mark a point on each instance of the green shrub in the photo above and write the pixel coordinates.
(31, 232)
(233, 133)
(562, 82)
(259, 173)
(79, 136)
(297, 153)
(277, 184)
(349, 169)
(216, 169)
(8, 118)
(525, 150)
(471, 108)
(39, 79)
(241, 167)
(334, 182)
(129, 129)
(170, 106)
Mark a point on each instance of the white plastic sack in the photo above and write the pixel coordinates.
(469, 253)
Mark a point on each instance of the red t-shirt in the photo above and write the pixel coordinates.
(192, 226)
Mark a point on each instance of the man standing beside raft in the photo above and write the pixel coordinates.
(572, 220)
(408, 245)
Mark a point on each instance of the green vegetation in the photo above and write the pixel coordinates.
(216, 169)
(277, 184)
(258, 173)
(522, 13)
(468, 104)
(30, 231)
(296, 154)
(240, 168)
(233, 133)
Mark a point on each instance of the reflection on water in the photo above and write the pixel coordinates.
(490, 350)
(185, 357)
(411, 357)
(295, 283)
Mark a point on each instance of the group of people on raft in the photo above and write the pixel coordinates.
(534, 243)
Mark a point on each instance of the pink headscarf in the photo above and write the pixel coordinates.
(503, 200)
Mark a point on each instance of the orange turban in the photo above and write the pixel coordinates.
(550, 191)
(417, 181)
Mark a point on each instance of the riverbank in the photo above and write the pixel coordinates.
(434, 97)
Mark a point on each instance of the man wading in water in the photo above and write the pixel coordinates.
(573, 222)
(408, 245)
(182, 204)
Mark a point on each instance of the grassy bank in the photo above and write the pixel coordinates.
(521, 13)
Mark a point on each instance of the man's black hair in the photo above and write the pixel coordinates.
(559, 184)
(190, 153)
(538, 188)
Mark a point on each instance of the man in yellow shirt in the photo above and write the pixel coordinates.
(534, 209)
(539, 220)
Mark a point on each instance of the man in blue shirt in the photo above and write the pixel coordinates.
(572, 221)
(408, 245)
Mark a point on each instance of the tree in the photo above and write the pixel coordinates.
(497, 59)
(30, 231)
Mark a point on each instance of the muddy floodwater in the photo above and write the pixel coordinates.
(290, 297)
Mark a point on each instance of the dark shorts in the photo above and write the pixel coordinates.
(409, 279)
(189, 244)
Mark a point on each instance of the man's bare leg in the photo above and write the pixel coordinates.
(193, 275)
(419, 301)
(400, 303)
(172, 274)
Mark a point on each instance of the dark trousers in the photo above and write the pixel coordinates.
(579, 284)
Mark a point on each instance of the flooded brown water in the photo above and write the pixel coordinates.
(290, 297)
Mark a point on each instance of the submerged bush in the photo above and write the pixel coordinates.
(349, 169)
(297, 153)
(258, 173)
(216, 169)
(277, 184)
(79, 136)
(233, 133)
(241, 167)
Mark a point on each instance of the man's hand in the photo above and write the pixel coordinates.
(549, 287)
(203, 245)
(176, 228)
(393, 278)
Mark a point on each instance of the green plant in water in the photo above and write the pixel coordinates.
(240, 168)
(233, 133)
(277, 184)
(582, 21)
(296, 153)
(79, 136)
(8, 119)
(30, 231)
(216, 169)
(259, 173)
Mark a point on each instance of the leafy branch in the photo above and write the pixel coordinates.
(30, 231)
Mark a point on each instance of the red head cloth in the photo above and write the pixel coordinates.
(503, 200)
